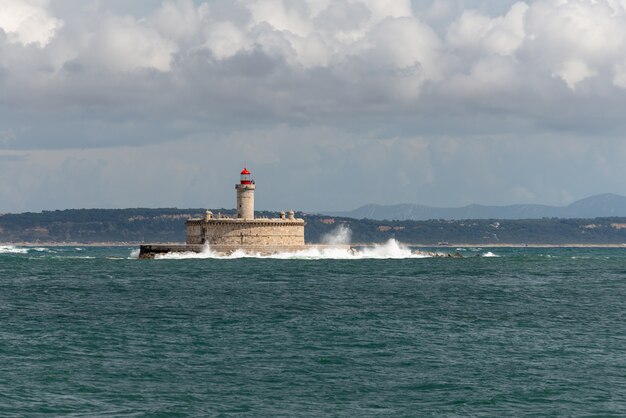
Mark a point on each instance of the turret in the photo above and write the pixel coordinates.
(245, 196)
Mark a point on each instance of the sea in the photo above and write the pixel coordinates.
(95, 331)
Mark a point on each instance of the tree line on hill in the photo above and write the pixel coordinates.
(168, 225)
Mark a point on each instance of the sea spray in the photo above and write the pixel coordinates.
(489, 254)
(205, 253)
(10, 249)
(392, 249)
(342, 235)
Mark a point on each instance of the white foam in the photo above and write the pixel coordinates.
(10, 249)
(392, 249)
(341, 235)
(490, 254)
(134, 253)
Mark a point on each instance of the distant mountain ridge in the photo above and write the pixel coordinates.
(602, 205)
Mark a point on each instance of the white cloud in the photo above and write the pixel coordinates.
(384, 9)
(619, 78)
(575, 71)
(477, 33)
(179, 20)
(311, 59)
(225, 40)
(576, 39)
(282, 15)
(28, 21)
(406, 42)
(125, 44)
(400, 90)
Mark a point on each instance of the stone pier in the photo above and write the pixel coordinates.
(153, 250)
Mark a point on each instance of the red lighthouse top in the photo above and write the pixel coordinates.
(245, 177)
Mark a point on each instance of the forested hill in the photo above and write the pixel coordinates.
(168, 225)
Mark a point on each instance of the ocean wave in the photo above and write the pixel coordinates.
(62, 257)
(392, 249)
(489, 254)
(10, 249)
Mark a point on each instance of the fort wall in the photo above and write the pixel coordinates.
(240, 232)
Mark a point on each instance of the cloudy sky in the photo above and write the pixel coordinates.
(332, 104)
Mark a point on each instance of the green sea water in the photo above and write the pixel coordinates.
(96, 332)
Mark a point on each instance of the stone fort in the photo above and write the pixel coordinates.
(244, 230)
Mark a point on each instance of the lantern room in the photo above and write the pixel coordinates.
(246, 177)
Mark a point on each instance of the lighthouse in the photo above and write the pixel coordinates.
(245, 196)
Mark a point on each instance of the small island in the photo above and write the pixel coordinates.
(225, 235)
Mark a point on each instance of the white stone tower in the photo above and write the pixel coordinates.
(245, 196)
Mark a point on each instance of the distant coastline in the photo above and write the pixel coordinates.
(121, 227)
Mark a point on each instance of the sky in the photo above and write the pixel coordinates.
(331, 104)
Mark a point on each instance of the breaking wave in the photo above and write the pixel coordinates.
(392, 249)
(342, 235)
(490, 254)
(10, 249)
